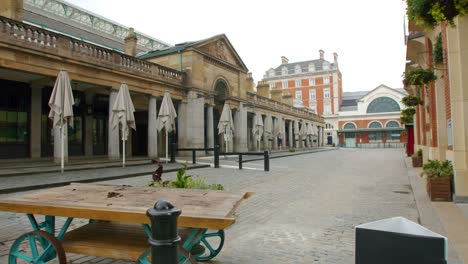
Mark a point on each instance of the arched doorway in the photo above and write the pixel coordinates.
(222, 93)
(350, 137)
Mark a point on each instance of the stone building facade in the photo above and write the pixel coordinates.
(441, 124)
(200, 76)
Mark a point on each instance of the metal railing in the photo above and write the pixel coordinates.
(266, 157)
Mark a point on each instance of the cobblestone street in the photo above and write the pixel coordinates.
(303, 211)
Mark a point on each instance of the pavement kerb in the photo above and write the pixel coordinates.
(286, 154)
(105, 178)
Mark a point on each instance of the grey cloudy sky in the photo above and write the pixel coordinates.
(368, 35)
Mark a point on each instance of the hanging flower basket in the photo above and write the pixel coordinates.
(411, 100)
(419, 77)
(429, 13)
(406, 120)
(410, 111)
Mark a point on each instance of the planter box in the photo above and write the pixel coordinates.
(439, 189)
(417, 162)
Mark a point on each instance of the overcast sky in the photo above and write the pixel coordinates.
(368, 35)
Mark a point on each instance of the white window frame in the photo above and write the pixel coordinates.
(298, 83)
(326, 80)
(300, 95)
(272, 85)
(312, 92)
(284, 84)
(313, 108)
(326, 93)
(312, 82)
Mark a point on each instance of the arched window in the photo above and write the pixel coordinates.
(349, 126)
(375, 125)
(383, 104)
(392, 124)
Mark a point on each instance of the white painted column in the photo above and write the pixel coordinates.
(113, 140)
(152, 127)
(88, 137)
(297, 138)
(283, 128)
(323, 136)
(240, 127)
(210, 127)
(36, 112)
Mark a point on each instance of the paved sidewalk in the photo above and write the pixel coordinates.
(52, 179)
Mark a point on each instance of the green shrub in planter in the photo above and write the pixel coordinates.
(406, 119)
(292, 149)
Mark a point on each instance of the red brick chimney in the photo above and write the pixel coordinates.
(284, 60)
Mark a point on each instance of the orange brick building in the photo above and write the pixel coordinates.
(314, 84)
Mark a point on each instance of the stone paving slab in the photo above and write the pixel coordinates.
(303, 211)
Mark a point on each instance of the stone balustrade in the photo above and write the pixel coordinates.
(15, 32)
(267, 102)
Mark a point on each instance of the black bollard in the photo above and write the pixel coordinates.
(194, 156)
(164, 238)
(216, 156)
(173, 152)
(240, 161)
(266, 160)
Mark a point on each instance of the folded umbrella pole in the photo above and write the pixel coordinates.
(166, 118)
(226, 125)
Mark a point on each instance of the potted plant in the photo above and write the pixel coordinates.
(439, 178)
(417, 159)
(406, 120)
(410, 111)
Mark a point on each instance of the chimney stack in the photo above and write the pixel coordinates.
(322, 53)
(284, 60)
(131, 42)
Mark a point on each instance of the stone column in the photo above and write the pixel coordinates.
(113, 139)
(191, 118)
(266, 142)
(301, 137)
(323, 136)
(210, 127)
(291, 136)
(36, 112)
(58, 144)
(275, 138)
(152, 127)
(88, 125)
(283, 128)
(297, 139)
(240, 127)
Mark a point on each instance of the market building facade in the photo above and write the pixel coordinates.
(201, 76)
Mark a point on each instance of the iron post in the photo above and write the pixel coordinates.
(173, 151)
(240, 161)
(216, 156)
(164, 238)
(194, 156)
(266, 157)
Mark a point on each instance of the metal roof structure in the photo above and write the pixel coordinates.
(64, 17)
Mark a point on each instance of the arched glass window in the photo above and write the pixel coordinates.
(382, 105)
(392, 124)
(349, 126)
(375, 125)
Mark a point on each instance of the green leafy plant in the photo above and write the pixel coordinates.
(292, 149)
(406, 119)
(437, 169)
(186, 182)
(418, 153)
(410, 111)
(419, 77)
(429, 13)
(411, 100)
(437, 51)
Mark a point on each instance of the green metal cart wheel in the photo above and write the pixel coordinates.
(36, 247)
(184, 257)
(213, 241)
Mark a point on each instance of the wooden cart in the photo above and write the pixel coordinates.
(118, 227)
